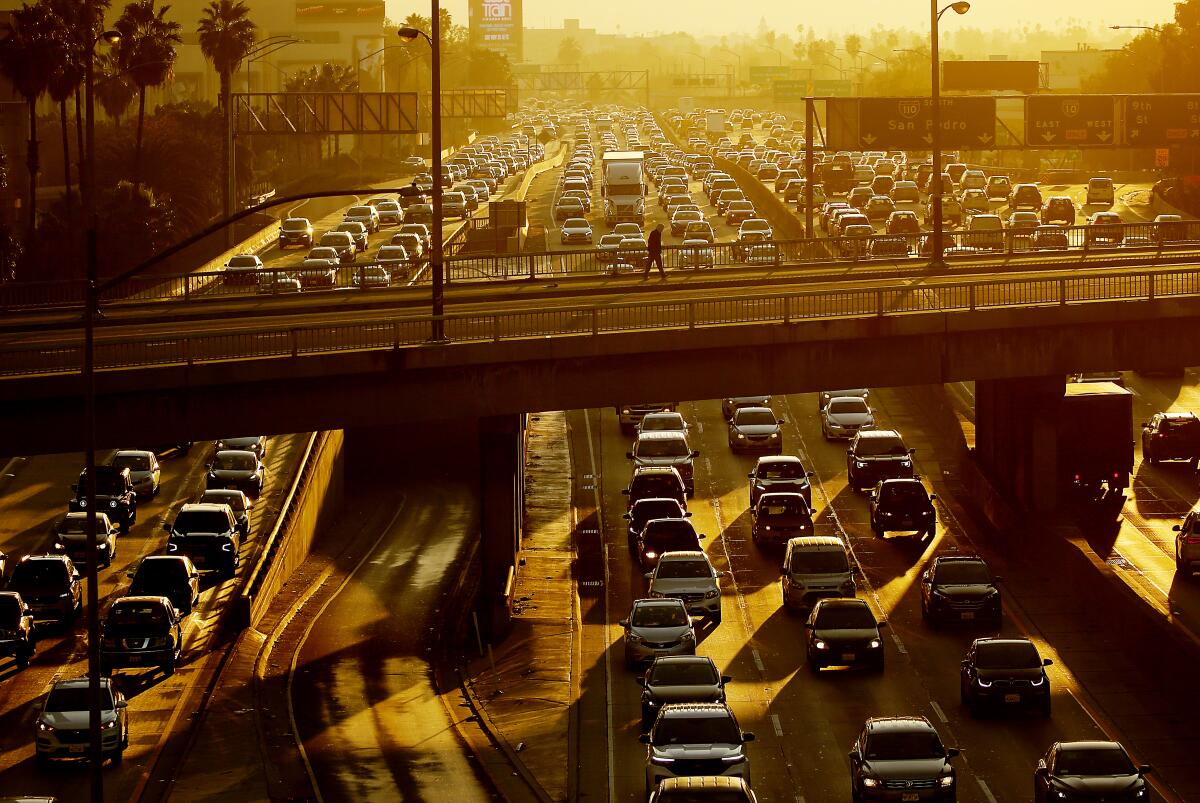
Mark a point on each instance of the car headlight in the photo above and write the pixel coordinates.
(886, 513)
(875, 644)
(688, 636)
(651, 555)
(767, 527)
(983, 684)
(227, 547)
(661, 760)
(112, 503)
(870, 783)
(44, 728)
(774, 435)
(820, 645)
(212, 475)
(60, 546)
(64, 595)
(634, 638)
(172, 546)
(947, 780)
(733, 759)
(1037, 682)
(712, 593)
(905, 463)
(107, 726)
(741, 437)
(859, 464)
(83, 502)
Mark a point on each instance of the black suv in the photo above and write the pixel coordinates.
(49, 584)
(1089, 771)
(16, 628)
(781, 473)
(114, 495)
(843, 632)
(665, 535)
(208, 534)
(656, 482)
(877, 454)
(1004, 672)
(960, 588)
(141, 631)
(171, 576)
(1171, 436)
(680, 679)
(901, 758)
(902, 505)
(644, 510)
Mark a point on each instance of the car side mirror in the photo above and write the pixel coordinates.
(747, 737)
(997, 579)
(1041, 767)
(881, 623)
(854, 755)
(750, 476)
(687, 514)
(629, 455)
(695, 453)
(648, 575)
(872, 494)
(701, 536)
(121, 704)
(726, 679)
(809, 474)
(853, 568)
(75, 577)
(194, 575)
(952, 752)
(208, 466)
(912, 450)
(932, 497)
(1047, 662)
(640, 681)
(925, 576)
(964, 663)
(644, 738)
(626, 516)
(624, 623)
(1145, 768)
(808, 625)
(849, 451)
(1177, 528)
(27, 611)
(166, 528)
(781, 421)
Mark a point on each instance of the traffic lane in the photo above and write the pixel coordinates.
(154, 700)
(365, 708)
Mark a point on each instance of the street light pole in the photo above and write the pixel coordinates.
(1162, 46)
(938, 261)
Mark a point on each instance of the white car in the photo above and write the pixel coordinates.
(365, 215)
(272, 283)
(372, 276)
(389, 211)
(392, 257)
(628, 230)
(696, 254)
(143, 470)
(575, 230)
(843, 416)
(62, 722)
(242, 268)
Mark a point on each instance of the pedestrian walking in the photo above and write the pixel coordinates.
(654, 246)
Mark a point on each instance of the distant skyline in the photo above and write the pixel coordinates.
(705, 17)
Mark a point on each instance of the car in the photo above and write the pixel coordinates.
(50, 585)
(1022, 224)
(859, 197)
(411, 242)
(876, 454)
(901, 504)
(632, 252)
(1100, 191)
(247, 443)
(659, 536)
(825, 395)
(755, 428)
(961, 588)
(879, 207)
(242, 269)
(238, 503)
(665, 449)
(413, 162)
(952, 211)
(454, 204)
(70, 538)
(172, 576)
(238, 469)
(61, 726)
(18, 639)
(973, 180)
(738, 211)
(317, 272)
(114, 495)
(701, 788)
(277, 282)
(657, 627)
(974, 202)
(763, 254)
(649, 508)
(679, 679)
(902, 221)
(208, 533)
(755, 230)
(295, 231)
(998, 187)
(779, 474)
(568, 207)
(1104, 228)
(664, 421)
(1049, 238)
(696, 253)
(1171, 436)
(843, 632)
(141, 631)
(779, 517)
(1169, 228)
(844, 416)
(731, 404)
(691, 738)
(1006, 673)
(143, 468)
(655, 482)
(420, 230)
(1025, 196)
(575, 230)
(688, 575)
(343, 244)
(628, 229)
(389, 212)
(1091, 770)
(906, 192)
(368, 276)
(365, 214)
(815, 567)
(1058, 209)
(901, 758)
(394, 259)
(358, 231)
(583, 197)
(1187, 545)
(420, 214)
(682, 217)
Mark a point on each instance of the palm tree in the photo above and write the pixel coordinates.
(113, 88)
(226, 36)
(146, 52)
(28, 55)
(66, 80)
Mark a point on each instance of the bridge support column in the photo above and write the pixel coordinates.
(501, 497)
(1015, 437)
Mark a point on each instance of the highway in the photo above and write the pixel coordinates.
(35, 494)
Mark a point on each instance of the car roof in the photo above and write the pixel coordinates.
(682, 554)
(999, 640)
(1179, 415)
(819, 541)
(657, 601)
(204, 506)
(1090, 745)
(754, 408)
(140, 598)
(959, 559)
(685, 659)
(901, 481)
(777, 459)
(135, 451)
(872, 434)
(78, 683)
(910, 723)
(661, 435)
(695, 710)
(237, 451)
(842, 602)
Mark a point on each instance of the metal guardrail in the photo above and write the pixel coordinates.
(675, 314)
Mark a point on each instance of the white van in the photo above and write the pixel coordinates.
(1100, 191)
(815, 567)
(985, 231)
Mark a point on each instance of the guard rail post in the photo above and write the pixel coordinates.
(691, 307)
(595, 321)
(187, 287)
(971, 296)
(495, 328)
(294, 335)
(1150, 288)
(879, 303)
(1062, 292)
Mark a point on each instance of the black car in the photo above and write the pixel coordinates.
(732, 403)
(208, 534)
(680, 679)
(843, 632)
(902, 505)
(114, 495)
(1004, 673)
(780, 517)
(877, 454)
(960, 588)
(1099, 771)
(17, 639)
(901, 758)
(237, 469)
(779, 474)
(238, 502)
(1171, 436)
(171, 576)
(49, 585)
(250, 443)
(141, 631)
(755, 429)
(655, 482)
(665, 535)
(655, 507)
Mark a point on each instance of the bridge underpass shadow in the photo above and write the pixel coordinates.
(1099, 521)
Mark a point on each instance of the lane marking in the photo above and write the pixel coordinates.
(587, 421)
(986, 792)
(900, 648)
(937, 709)
(776, 725)
(757, 660)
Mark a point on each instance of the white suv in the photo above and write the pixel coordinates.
(695, 739)
(688, 576)
(62, 722)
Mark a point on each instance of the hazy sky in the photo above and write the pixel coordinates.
(703, 17)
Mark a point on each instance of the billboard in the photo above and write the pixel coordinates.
(497, 24)
(985, 76)
(339, 11)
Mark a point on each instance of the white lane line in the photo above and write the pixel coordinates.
(587, 421)
(757, 660)
(986, 792)
(899, 644)
(776, 724)
(937, 709)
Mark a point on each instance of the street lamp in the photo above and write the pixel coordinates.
(937, 261)
(408, 34)
(267, 48)
(96, 757)
(703, 61)
(778, 55)
(736, 55)
(886, 63)
(1158, 29)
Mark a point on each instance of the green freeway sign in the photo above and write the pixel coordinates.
(1070, 120)
(789, 91)
(831, 87)
(907, 123)
(1160, 120)
(760, 74)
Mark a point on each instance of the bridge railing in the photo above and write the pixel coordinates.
(133, 351)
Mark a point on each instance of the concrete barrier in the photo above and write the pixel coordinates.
(314, 498)
(766, 203)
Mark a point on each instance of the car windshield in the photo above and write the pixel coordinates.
(718, 729)
(295, 225)
(1007, 655)
(683, 673)
(659, 615)
(232, 461)
(234, 499)
(902, 492)
(823, 561)
(160, 571)
(201, 521)
(750, 417)
(841, 617)
(75, 698)
(893, 746)
(678, 569)
(10, 611)
(359, 211)
(137, 613)
(39, 573)
(846, 406)
(876, 447)
(963, 573)
(392, 252)
(243, 262)
(133, 462)
(783, 507)
(653, 423)
(1093, 761)
(662, 447)
(780, 471)
(76, 524)
(108, 483)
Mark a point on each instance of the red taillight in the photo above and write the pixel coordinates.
(1192, 538)
(1116, 474)
(1077, 477)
